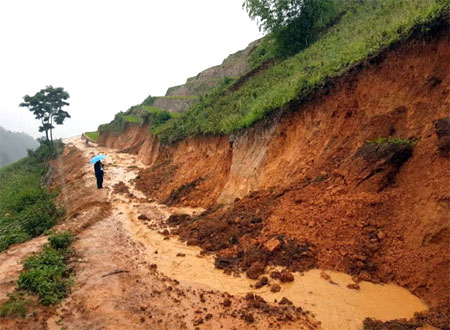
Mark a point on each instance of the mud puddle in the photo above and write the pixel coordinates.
(335, 305)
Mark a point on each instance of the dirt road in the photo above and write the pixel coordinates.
(131, 273)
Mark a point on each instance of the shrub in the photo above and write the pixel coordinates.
(61, 241)
(46, 276)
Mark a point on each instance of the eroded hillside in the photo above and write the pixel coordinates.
(354, 179)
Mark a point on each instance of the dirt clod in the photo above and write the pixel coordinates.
(353, 286)
(226, 302)
(285, 301)
(272, 244)
(286, 276)
(248, 317)
(256, 269)
(275, 288)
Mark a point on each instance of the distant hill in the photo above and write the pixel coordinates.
(14, 145)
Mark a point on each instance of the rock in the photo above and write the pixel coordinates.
(275, 288)
(179, 254)
(365, 276)
(275, 274)
(356, 279)
(198, 320)
(248, 317)
(285, 301)
(208, 316)
(272, 244)
(192, 241)
(227, 302)
(381, 235)
(249, 296)
(325, 276)
(353, 286)
(286, 276)
(263, 281)
(256, 269)
(142, 217)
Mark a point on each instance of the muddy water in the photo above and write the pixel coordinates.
(336, 306)
(332, 303)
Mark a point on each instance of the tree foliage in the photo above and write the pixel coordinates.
(46, 106)
(294, 24)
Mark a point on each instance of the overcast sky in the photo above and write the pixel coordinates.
(109, 55)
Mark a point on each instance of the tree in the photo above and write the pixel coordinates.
(294, 24)
(46, 106)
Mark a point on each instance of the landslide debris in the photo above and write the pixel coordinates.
(234, 235)
(435, 318)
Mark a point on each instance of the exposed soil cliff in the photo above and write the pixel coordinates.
(307, 178)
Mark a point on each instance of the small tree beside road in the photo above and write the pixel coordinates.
(46, 106)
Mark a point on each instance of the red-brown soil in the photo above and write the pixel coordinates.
(379, 213)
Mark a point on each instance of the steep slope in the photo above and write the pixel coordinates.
(377, 210)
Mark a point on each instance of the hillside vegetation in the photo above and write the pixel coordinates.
(360, 29)
(27, 208)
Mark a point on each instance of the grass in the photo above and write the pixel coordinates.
(45, 275)
(27, 208)
(366, 28)
(178, 97)
(398, 141)
(131, 119)
(92, 135)
(16, 305)
(138, 115)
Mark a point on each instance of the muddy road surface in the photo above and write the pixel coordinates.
(132, 273)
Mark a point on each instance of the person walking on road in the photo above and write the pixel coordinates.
(98, 168)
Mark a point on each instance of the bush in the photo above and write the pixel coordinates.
(46, 276)
(315, 16)
(61, 241)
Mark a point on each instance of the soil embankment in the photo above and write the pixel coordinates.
(308, 180)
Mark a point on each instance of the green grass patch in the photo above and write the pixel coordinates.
(27, 208)
(178, 97)
(366, 27)
(16, 305)
(45, 275)
(131, 119)
(398, 141)
(92, 135)
(138, 114)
